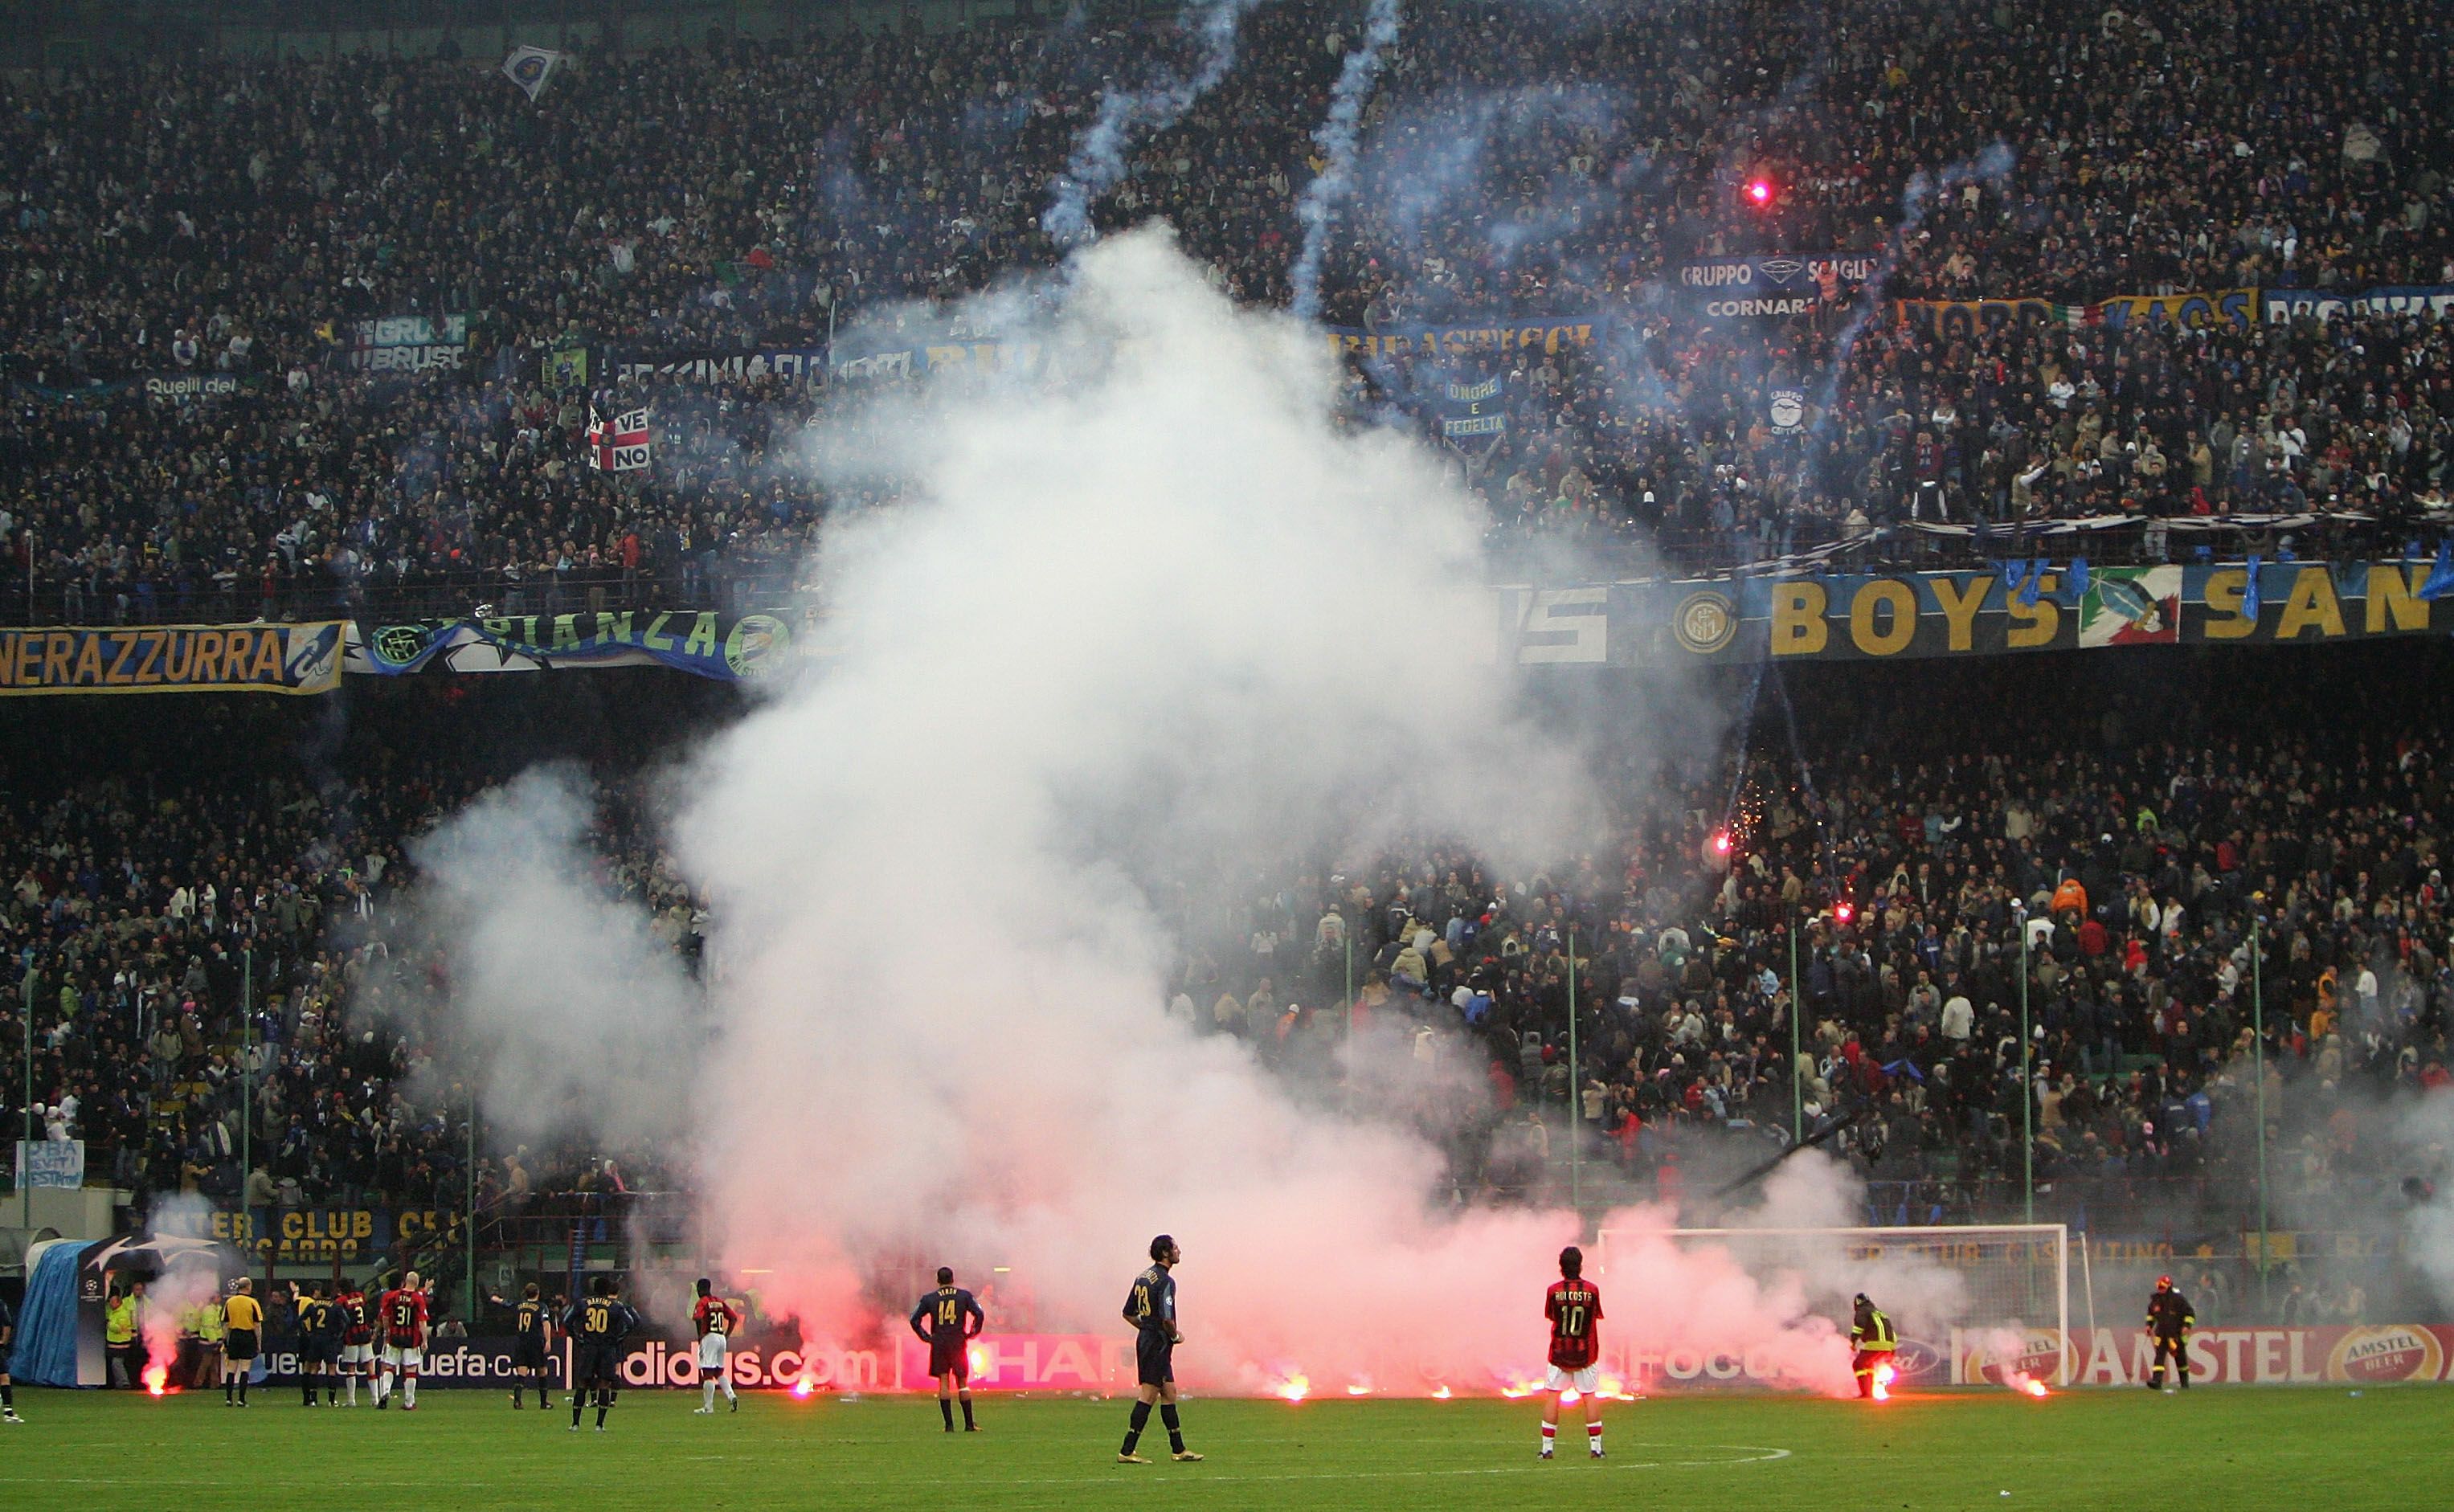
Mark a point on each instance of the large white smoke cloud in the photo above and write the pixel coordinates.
(1166, 620)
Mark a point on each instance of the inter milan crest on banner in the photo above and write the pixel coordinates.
(530, 67)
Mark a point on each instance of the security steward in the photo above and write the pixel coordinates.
(1873, 1341)
(2169, 1320)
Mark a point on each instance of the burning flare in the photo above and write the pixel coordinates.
(1884, 1376)
(1294, 1387)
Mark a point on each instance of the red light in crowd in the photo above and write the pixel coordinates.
(1842, 911)
(1721, 841)
(1759, 190)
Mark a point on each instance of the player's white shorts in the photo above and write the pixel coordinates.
(357, 1353)
(711, 1352)
(403, 1359)
(1586, 1380)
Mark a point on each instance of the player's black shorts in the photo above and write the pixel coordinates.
(1155, 1357)
(528, 1353)
(597, 1365)
(240, 1344)
(318, 1349)
(950, 1356)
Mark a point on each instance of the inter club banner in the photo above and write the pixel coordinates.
(2016, 606)
(298, 659)
(727, 648)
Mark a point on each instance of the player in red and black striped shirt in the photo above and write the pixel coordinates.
(1574, 1306)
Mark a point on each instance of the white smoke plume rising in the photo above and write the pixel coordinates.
(558, 990)
(1165, 621)
(1097, 164)
(189, 1281)
(1337, 140)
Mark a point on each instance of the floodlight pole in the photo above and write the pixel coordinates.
(1797, 1083)
(2027, 1088)
(246, 1074)
(2257, 1058)
(1576, 1090)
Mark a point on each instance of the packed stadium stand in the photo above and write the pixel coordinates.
(293, 332)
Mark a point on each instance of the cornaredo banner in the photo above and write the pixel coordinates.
(1770, 288)
(2018, 606)
(728, 648)
(302, 659)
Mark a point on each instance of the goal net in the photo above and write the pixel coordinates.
(1972, 1304)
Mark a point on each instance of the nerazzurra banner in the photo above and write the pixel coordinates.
(728, 648)
(303, 659)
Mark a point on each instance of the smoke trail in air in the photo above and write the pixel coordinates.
(1164, 621)
(1992, 167)
(1098, 161)
(1336, 137)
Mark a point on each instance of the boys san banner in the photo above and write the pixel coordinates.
(298, 659)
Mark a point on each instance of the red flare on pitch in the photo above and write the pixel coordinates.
(802, 1388)
(1884, 1376)
(1440, 1394)
(157, 1378)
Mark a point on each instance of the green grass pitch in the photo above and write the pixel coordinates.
(2133, 1450)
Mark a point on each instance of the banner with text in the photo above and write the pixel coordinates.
(1546, 333)
(742, 365)
(2429, 301)
(51, 1163)
(284, 1235)
(1770, 287)
(728, 648)
(2367, 1354)
(409, 344)
(2019, 606)
(302, 659)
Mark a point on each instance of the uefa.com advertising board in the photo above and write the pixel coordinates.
(2362, 1355)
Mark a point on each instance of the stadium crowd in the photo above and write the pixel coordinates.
(192, 941)
(1567, 161)
(2130, 836)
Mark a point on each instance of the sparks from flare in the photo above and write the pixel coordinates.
(1884, 1376)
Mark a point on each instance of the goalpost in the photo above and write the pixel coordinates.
(1993, 1296)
